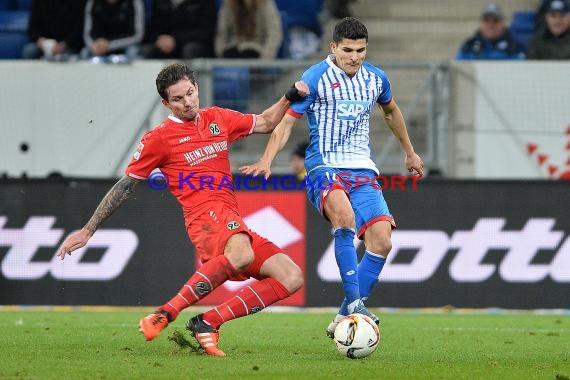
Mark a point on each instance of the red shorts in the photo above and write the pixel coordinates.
(211, 231)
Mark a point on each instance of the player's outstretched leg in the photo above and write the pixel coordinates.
(251, 299)
(212, 274)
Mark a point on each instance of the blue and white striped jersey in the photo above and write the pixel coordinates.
(338, 114)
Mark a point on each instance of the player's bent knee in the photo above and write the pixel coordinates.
(240, 258)
(284, 270)
(380, 246)
(294, 279)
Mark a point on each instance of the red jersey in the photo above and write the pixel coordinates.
(194, 157)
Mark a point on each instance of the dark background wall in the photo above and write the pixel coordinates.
(461, 243)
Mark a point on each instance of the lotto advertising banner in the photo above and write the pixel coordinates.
(140, 256)
(465, 244)
(458, 243)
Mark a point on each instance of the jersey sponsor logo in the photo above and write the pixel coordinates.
(214, 129)
(520, 264)
(205, 153)
(335, 85)
(184, 139)
(119, 245)
(350, 109)
(233, 225)
(138, 152)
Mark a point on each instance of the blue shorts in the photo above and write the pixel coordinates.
(365, 196)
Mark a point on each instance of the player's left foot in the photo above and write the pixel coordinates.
(206, 335)
(331, 327)
(151, 325)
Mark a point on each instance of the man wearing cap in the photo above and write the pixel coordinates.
(492, 40)
(553, 41)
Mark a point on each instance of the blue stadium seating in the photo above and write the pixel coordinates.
(231, 87)
(523, 26)
(24, 5)
(302, 13)
(13, 36)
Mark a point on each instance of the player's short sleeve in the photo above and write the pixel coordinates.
(150, 154)
(311, 77)
(385, 95)
(238, 124)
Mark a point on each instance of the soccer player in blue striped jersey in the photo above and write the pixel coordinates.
(344, 89)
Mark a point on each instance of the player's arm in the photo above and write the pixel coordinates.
(119, 193)
(277, 141)
(395, 121)
(268, 119)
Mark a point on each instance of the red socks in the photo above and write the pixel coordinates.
(210, 275)
(249, 300)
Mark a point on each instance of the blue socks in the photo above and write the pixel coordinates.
(369, 270)
(347, 262)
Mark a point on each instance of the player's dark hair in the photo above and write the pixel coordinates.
(171, 75)
(351, 29)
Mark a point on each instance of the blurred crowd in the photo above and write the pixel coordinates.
(540, 34)
(123, 30)
(119, 31)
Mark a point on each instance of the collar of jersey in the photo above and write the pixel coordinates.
(329, 60)
(177, 120)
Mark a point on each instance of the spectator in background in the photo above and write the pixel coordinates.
(248, 29)
(339, 8)
(492, 40)
(297, 161)
(54, 29)
(553, 41)
(181, 29)
(113, 27)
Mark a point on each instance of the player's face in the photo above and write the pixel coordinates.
(349, 54)
(183, 100)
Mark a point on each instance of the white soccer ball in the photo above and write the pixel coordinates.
(356, 336)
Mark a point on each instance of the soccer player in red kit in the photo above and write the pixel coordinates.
(190, 148)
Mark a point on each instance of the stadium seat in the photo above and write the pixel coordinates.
(231, 87)
(13, 35)
(13, 21)
(12, 44)
(523, 26)
(24, 5)
(302, 13)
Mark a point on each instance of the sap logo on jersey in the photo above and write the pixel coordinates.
(350, 109)
(119, 246)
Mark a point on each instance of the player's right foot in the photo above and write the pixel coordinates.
(206, 335)
(151, 325)
(361, 309)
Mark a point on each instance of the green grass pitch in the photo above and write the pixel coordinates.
(276, 345)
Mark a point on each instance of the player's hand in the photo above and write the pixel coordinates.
(74, 241)
(302, 88)
(261, 167)
(414, 164)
